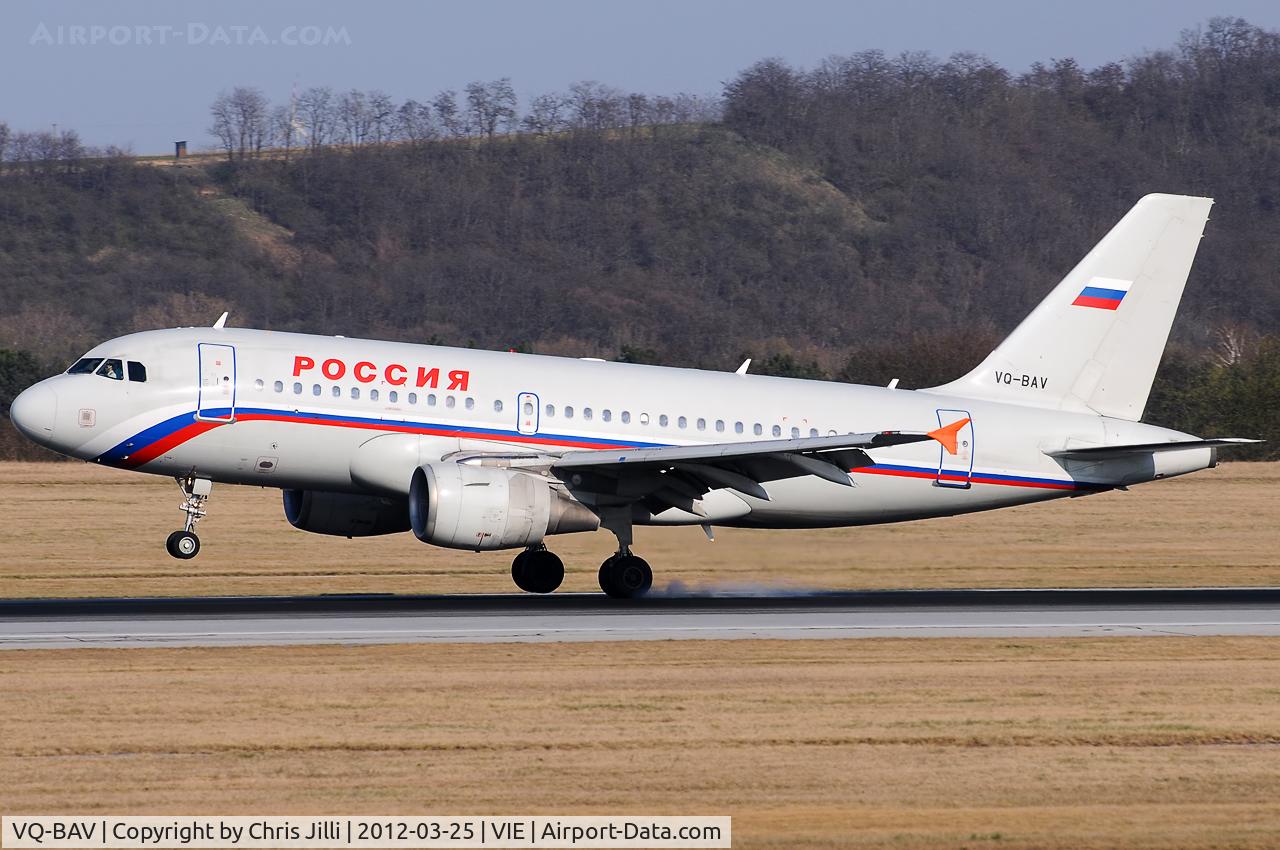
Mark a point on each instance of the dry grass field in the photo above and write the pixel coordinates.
(71, 529)
(1072, 744)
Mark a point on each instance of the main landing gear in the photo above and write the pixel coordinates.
(625, 576)
(537, 570)
(184, 544)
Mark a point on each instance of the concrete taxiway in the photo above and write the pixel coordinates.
(380, 619)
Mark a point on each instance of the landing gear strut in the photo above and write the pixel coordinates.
(185, 544)
(537, 570)
(623, 575)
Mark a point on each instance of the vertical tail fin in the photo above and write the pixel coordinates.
(1094, 343)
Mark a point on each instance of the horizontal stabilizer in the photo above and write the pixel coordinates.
(1103, 452)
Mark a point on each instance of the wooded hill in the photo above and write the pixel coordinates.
(871, 218)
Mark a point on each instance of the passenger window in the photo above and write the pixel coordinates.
(470, 403)
(113, 369)
(138, 373)
(757, 429)
(413, 398)
(777, 430)
(355, 392)
(586, 413)
(550, 410)
(497, 406)
(795, 432)
(568, 411)
(431, 399)
(682, 422)
(315, 389)
(258, 384)
(720, 425)
(450, 401)
(297, 389)
(737, 427)
(702, 424)
(606, 414)
(373, 395)
(393, 396)
(626, 417)
(336, 391)
(278, 386)
(813, 432)
(644, 419)
(662, 420)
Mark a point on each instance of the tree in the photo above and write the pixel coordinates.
(241, 121)
(490, 106)
(354, 117)
(315, 111)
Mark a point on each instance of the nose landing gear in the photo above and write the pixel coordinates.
(185, 544)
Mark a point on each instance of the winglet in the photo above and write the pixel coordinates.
(222, 321)
(947, 434)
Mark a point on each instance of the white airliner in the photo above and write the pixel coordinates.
(487, 450)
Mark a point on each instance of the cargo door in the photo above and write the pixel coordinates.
(216, 397)
(956, 470)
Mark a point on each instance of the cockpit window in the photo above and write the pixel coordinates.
(111, 368)
(137, 372)
(84, 366)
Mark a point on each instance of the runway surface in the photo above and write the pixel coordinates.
(379, 619)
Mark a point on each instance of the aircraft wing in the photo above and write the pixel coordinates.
(676, 476)
(1104, 452)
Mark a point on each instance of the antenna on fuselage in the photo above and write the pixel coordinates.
(222, 321)
(742, 370)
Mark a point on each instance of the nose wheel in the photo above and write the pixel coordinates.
(184, 544)
(537, 570)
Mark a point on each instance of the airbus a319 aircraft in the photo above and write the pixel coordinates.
(487, 450)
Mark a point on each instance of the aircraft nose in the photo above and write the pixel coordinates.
(34, 412)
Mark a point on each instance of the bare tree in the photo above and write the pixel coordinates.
(546, 114)
(381, 113)
(445, 105)
(415, 123)
(490, 106)
(284, 128)
(315, 114)
(241, 121)
(4, 140)
(353, 117)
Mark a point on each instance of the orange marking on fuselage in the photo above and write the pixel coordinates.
(948, 435)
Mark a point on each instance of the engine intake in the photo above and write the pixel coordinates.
(345, 514)
(465, 506)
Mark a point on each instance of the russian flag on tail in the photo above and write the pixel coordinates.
(1103, 293)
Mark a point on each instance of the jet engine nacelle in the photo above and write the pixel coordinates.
(345, 514)
(465, 506)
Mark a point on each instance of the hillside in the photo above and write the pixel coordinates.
(867, 219)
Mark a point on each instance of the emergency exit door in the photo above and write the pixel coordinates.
(527, 413)
(216, 399)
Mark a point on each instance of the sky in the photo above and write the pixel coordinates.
(141, 74)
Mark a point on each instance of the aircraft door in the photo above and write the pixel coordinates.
(216, 397)
(527, 413)
(956, 470)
